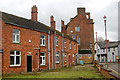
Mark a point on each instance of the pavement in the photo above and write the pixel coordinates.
(114, 67)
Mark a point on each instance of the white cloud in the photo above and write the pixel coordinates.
(65, 9)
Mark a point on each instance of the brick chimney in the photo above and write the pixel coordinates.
(80, 11)
(52, 22)
(34, 13)
(88, 15)
(62, 25)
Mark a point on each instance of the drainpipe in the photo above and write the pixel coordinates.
(54, 50)
(62, 50)
(77, 50)
(52, 47)
(49, 49)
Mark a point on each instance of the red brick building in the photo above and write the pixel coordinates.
(27, 45)
(81, 28)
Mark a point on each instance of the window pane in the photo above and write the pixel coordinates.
(43, 60)
(40, 41)
(11, 52)
(18, 38)
(13, 37)
(17, 59)
(16, 31)
(17, 52)
(40, 60)
(11, 60)
(42, 54)
(43, 42)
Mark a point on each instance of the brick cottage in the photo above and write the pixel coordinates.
(27, 45)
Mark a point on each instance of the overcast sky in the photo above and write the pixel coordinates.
(65, 9)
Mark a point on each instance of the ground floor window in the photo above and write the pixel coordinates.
(65, 57)
(15, 58)
(57, 57)
(73, 57)
(42, 58)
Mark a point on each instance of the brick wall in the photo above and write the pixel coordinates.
(27, 48)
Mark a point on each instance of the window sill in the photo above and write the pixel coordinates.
(43, 65)
(42, 45)
(14, 66)
(16, 43)
(57, 62)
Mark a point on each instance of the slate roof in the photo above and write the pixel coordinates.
(84, 52)
(28, 23)
(109, 44)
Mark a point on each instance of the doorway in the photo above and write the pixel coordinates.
(29, 63)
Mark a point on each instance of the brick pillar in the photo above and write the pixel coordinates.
(52, 22)
(34, 13)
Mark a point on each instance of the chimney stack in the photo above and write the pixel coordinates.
(62, 25)
(88, 14)
(52, 22)
(34, 13)
(80, 11)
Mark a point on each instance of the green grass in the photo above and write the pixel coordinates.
(71, 72)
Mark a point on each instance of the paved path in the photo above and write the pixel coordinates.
(115, 67)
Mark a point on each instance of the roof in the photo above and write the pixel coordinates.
(109, 44)
(28, 23)
(84, 51)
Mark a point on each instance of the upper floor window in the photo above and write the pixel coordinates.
(56, 40)
(64, 43)
(15, 58)
(57, 57)
(73, 36)
(74, 46)
(42, 58)
(70, 44)
(42, 40)
(77, 28)
(16, 36)
(78, 40)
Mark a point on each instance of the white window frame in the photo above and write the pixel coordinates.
(56, 40)
(16, 34)
(70, 44)
(73, 57)
(65, 57)
(15, 58)
(42, 59)
(65, 43)
(74, 46)
(42, 39)
(57, 54)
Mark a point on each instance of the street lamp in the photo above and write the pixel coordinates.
(96, 47)
(106, 39)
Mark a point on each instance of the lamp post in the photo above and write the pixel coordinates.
(96, 46)
(106, 39)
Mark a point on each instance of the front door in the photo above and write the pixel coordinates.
(69, 60)
(29, 63)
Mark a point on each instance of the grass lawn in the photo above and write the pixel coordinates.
(86, 71)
